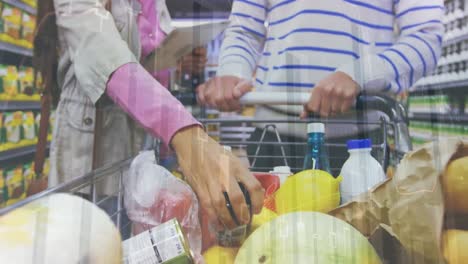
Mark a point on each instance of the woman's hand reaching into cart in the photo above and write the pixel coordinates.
(212, 171)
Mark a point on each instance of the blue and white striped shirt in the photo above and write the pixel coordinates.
(293, 44)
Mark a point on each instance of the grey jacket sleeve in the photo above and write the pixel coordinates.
(88, 33)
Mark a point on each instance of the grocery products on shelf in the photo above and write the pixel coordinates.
(16, 26)
(452, 66)
(18, 84)
(15, 180)
(31, 3)
(15, 183)
(361, 172)
(20, 129)
(423, 132)
(430, 104)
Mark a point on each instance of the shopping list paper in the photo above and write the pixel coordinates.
(180, 42)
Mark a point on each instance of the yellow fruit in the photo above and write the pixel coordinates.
(220, 255)
(455, 182)
(265, 216)
(310, 190)
(455, 246)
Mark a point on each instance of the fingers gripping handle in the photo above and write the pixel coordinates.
(274, 98)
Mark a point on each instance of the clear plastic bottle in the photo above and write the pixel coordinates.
(361, 171)
(317, 154)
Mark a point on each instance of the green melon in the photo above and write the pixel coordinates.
(307, 237)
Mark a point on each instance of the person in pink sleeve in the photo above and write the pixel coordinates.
(93, 49)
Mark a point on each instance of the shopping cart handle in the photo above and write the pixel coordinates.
(274, 98)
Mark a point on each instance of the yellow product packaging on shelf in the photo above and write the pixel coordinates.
(8, 82)
(12, 123)
(27, 32)
(15, 184)
(39, 83)
(46, 169)
(51, 122)
(3, 35)
(26, 83)
(3, 190)
(29, 129)
(28, 174)
(11, 23)
(31, 3)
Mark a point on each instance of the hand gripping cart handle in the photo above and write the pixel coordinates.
(393, 109)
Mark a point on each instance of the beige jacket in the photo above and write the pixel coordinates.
(93, 44)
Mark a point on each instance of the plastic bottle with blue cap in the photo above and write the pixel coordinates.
(361, 172)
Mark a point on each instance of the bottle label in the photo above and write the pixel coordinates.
(314, 163)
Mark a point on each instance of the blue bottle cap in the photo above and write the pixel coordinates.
(359, 144)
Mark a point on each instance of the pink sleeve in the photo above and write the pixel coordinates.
(148, 102)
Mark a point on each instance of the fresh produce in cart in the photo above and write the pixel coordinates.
(455, 183)
(58, 229)
(218, 254)
(307, 237)
(455, 246)
(310, 190)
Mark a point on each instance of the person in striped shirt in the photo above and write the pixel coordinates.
(336, 49)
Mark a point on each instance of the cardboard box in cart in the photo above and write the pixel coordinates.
(404, 216)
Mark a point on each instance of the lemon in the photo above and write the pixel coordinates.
(265, 216)
(310, 190)
(220, 255)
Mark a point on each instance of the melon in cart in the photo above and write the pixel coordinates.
(307, 238)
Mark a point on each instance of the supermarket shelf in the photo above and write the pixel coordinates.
(443, 118)
(19, 106)
(18, 153)
(456, 40)
(441, 86)
(21, 6)
(15, 49)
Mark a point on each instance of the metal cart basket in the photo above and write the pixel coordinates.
(236, 132)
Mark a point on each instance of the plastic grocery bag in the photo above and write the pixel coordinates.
(154, 196)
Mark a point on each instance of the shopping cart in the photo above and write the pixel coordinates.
(395, 142)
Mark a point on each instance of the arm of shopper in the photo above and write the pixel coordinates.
(148, 102)
(200, 158)
(395, 70)
(95, 45)
(413, 56)
(243, 39)
(243, 42)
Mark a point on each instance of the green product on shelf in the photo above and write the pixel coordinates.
(3, 189)
(26, 81)
(12, 24)
(29, 128)
(12, 123)
(15, 184)
(37, 122)
(28, 173)
(9, 82)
